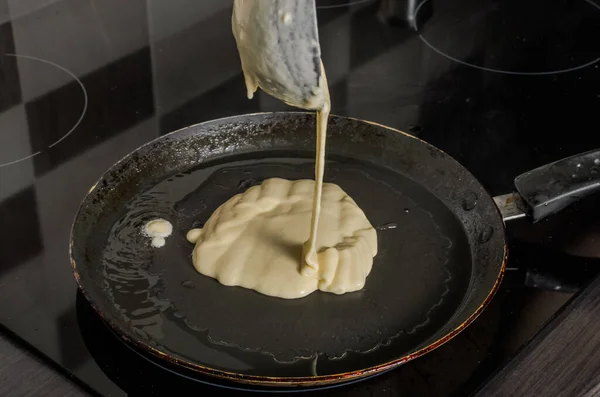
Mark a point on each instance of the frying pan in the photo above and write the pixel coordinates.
(441, 244)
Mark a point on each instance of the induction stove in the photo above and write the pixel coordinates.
(502, 86)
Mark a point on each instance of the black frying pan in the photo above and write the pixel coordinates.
(441, 249)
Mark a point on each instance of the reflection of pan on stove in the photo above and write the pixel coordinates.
(435, 272)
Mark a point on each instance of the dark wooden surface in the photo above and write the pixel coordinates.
(563, 359)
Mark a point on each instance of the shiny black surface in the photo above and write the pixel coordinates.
(148, 67)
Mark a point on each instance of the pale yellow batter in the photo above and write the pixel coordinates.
(255, 239)
(158, 230)
(310, 249)
(287, 238)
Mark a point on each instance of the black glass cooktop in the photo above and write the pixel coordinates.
(502, 86)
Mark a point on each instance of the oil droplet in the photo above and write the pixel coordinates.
(406, 210)
(486, 234)
(469, 201)
(387, 226)
(579, 165)
(597, 161)
(188, 284)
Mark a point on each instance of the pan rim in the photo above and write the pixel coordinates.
(289, 381)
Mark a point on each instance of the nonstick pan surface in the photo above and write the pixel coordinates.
(441, 251)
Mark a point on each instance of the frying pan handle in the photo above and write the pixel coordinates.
(552, 187)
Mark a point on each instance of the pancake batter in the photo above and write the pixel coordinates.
(287, 238)
(158, 230)
(255, 240)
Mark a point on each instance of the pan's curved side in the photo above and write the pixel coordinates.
(392, 149)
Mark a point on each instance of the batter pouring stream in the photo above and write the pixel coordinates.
(287, 238)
